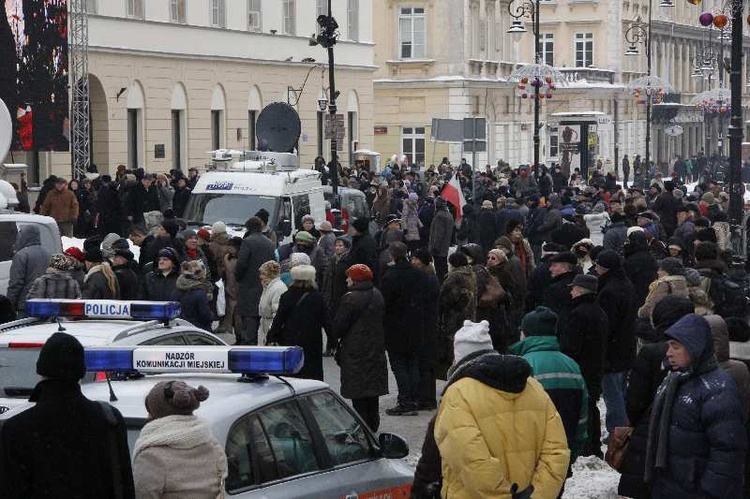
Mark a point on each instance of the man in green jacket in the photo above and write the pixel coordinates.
(559, 374)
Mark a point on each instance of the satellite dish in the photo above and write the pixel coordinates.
(6, 130)
(278, 128)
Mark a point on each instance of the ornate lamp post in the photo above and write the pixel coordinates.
(635, 34)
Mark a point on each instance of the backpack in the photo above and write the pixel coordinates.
(728, 296)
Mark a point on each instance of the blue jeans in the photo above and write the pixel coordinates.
(405, 367)
(613, 392)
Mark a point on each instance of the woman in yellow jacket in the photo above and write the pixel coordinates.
(498, 432)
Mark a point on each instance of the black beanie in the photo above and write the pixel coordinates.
(61, 357)
(362, 225)
(669, 310)
(541, 322)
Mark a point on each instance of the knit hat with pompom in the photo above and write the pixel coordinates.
(169, 398)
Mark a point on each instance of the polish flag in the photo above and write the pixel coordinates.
(454, 195)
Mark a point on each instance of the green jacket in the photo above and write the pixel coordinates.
(562, 380)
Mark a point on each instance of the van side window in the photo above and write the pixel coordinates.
(8, 235)
(301, 208)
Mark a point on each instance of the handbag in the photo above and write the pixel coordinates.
(619, 440)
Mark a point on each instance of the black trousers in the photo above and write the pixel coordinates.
(369, 409)
(441, 267)
(249, 333)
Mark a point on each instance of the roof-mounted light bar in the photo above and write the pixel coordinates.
(103, 309)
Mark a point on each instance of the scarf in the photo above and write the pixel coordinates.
(179, 432)
(192, 253)
(661, 415)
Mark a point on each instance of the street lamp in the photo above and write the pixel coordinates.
(640, 33)
(517, 10)
(326, 37)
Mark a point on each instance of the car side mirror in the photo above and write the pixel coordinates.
(393, 446)
(284, 227)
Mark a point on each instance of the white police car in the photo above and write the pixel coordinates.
(284, 437)
(94, 323)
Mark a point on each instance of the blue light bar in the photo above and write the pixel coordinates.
(103, 309)
(196, 359)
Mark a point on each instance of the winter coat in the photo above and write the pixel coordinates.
(155, 286)
(562, 380)
(615, 237)
(334, 282)
(142, 201)
(61, 205)
(195, 301)
(61, 447)
(401, 288)
(57, 284)
(736, 368)
(364, 251)
(468, 232)
(616, 297)
(557, 298)
(705, 435)
(666, 206)
(569, 233)
(269, 304)
(217, 249)
(96, 285)
(640, 267)
(539, 281)
(108, 210)
(410, 220)
(177, 457)
(586, 339)
(29, 262)
(488, 231)
(256, 250)
(165, 193)
(441, 233)
(384, 256)
(180, 200)
(127, 280)
(547, 220)
(497, 427)
(299, 320)
(660, 289)
(359, 327)
(326, 244)
(457, 302)
(595, 223)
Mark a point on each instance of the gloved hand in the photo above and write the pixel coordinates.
(521, 494)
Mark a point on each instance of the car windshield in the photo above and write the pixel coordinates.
(232, 209)
(18, 371)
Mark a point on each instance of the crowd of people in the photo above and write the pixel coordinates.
(540, 295)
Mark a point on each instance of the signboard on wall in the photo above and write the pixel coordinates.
(34, 72)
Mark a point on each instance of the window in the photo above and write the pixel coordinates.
(177, 13)
(321, 8)
(252, 118)
(172, 339)
(412, 140)
(554, 150)
(345, 436)
(290, 27)
(134, 9)
(353, 19)
(270, 445)
(584, 48)
(254, 15)
(351, 125)
(201, 339)
(134, 138)
(177, 138)
(411, 32)
(92, 7)
(548, 47)
(219, 13)
(301, 205)
(217, 128)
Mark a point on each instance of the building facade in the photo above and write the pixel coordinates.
(171, 80)
(453, 59)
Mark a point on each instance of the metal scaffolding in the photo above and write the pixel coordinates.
(79, 79)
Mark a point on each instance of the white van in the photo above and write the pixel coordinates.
(236, 194)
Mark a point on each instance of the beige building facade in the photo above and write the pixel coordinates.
(171, 80)
(453, 59)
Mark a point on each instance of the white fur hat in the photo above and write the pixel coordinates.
(298, 259)
(219, 228)
(303, 273)
(472, 337)
(635, 228)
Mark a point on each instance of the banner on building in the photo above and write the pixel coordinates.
(34, 72)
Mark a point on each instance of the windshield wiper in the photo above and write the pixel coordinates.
(18, 391)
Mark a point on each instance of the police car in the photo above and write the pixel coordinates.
(284, 437)
(94, 323)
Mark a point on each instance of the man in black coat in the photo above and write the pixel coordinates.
(402, 288)
(364, 249)
(540, 276)
(487, 221)
(665, 206)
(586, 343)
(256, 250)
(562, 269)
(127, 278)
(142, 198)
(421, 260)
(66, 445)
(617, 299)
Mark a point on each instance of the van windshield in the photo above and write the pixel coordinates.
(232, 209)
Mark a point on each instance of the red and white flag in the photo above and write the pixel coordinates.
(454, 195)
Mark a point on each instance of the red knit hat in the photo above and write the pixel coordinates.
(204, 234)
(359, 273)
(76, 253)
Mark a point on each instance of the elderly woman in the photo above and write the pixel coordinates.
(273, 288)
(670, 281)
(358, 325)
(300, 317)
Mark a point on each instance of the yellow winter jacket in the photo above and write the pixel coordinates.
(490, 439)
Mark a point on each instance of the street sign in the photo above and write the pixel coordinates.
(334, 125)
(469, 146)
